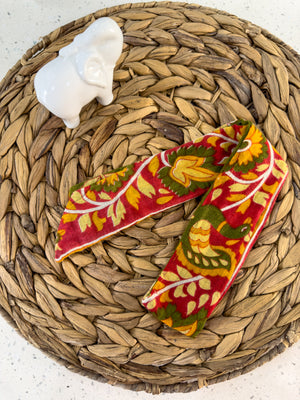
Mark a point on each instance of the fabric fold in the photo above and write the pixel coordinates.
(104, 205)
(239, 175)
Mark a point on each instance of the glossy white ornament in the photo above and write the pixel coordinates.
(82, 71)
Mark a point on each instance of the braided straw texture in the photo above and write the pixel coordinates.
(184, 70)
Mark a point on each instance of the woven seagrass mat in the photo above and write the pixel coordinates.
(184, 70)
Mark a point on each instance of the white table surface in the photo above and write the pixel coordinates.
(25, 372)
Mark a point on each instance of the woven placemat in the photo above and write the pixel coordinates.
(184, 70)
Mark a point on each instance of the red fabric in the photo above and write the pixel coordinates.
(239, 175)
(128, 195)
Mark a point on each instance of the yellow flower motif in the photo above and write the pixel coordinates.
(113, 177)
(189, 168)
(253, 149)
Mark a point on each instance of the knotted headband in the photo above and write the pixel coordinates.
(239, 175)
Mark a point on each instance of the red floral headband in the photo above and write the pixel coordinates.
(239, 175)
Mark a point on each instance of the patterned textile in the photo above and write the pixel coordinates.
(239, 175)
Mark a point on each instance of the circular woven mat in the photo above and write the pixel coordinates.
(184, 70)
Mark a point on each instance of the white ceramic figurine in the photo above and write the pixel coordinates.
(82, 71)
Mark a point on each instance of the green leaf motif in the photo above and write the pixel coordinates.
(178, 321)
(113, 180)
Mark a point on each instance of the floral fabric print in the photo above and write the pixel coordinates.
(239, 175)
